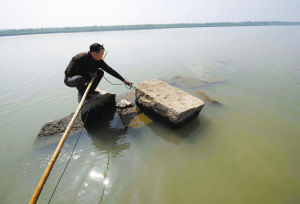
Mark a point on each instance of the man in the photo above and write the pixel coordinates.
(84, 66)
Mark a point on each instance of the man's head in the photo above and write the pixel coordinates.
(97, 51)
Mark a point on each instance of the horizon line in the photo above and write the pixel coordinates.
(83, 26)
(77, 29)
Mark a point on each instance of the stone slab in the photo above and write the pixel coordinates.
(166, 101)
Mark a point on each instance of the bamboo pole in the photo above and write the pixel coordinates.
(47, 171)
(44, 177)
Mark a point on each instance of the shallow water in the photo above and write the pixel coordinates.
(244, 151)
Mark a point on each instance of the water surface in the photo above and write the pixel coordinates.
(244, 151)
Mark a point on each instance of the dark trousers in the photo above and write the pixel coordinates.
(81, 83)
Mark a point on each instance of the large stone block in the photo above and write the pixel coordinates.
(99, 107)
(166, 101)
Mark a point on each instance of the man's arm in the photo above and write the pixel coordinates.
(110, 70)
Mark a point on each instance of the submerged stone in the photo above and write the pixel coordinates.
(167, 102)
(185, 81)
(207, 98)
(132, 117)
(96, 107)
(99, 110)
(59, 126)
(194, 81)
(139, 121)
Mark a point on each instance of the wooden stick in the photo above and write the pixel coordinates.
(44, 177)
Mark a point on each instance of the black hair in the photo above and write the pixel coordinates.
(96, 47)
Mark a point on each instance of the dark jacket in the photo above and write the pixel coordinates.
(83, 64)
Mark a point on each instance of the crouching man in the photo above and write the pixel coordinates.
(84, 66)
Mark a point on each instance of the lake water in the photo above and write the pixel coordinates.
(244, 151)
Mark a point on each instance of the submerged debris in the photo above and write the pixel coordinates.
(207, 98)
(193, 81)
(139, 121)
(132, 116)
(124, 104)
(185, 81)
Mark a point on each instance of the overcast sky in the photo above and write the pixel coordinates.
(61, 13)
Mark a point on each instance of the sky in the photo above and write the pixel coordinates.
(16, 14)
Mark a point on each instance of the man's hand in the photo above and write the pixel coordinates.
(128, 83)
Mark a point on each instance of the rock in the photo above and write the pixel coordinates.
(99, 102)
(207, 98)
(185, 81)
(132, 117)
(98, 112)
(193, 81)
(204, 77)
(59, 126)
(139, 121)
(167, 102)
(99, 106)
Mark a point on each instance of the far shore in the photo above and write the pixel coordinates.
(32, 31)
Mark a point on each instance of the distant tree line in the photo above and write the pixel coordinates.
(30, 31)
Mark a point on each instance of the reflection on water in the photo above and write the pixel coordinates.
(175, 136)
(107, 132)
(105, 180)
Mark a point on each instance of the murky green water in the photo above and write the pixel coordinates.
(244, 151)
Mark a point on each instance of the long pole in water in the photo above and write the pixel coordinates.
(47, 171)
(44, 177)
